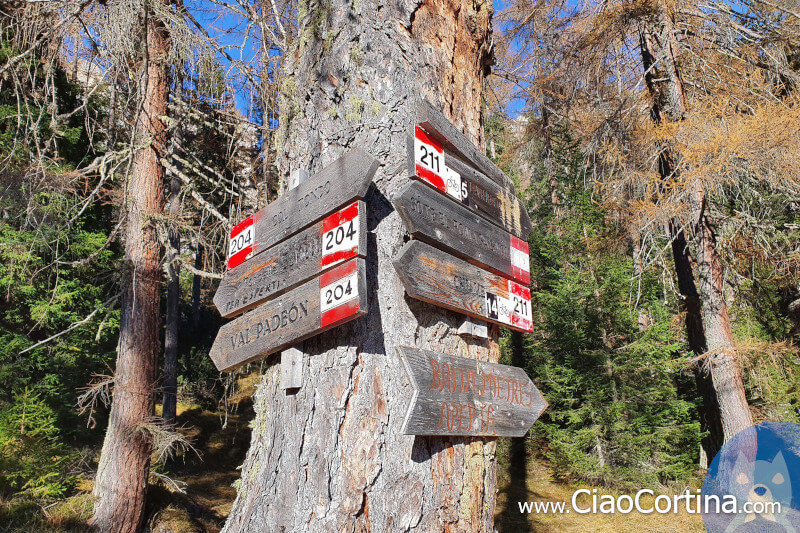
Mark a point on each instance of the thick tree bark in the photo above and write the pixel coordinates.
(332, 457)
(121, 481)
(707, 321)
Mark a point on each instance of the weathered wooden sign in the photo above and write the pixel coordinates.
(331, 299)
(451, 139)
(337, 237)
(445, 223)
(336, 185)
(437, 277)
(459, 396)
(429, 163)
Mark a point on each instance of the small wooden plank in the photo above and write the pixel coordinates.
(338, 237)
(456, 142)
(331, 299)
(458, 396)
(292, 368)
(473, 328)
(434, 276)
(338, 184)
(444, 223)
(471, 188)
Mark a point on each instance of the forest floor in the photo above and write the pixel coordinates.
(206, 494)
(536, 483)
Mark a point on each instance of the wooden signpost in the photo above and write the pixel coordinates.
(445, 223)
(459, 396)
(436, 277)
(451, 139)
(337, 237)
(333, 298)
(429, 163)
(336, 185)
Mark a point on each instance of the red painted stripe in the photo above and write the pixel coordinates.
(432, 178)
(241, 226)
(337, 273)
(340, 217)
(337, 314)
(521, 323)
(241, 256)
(522, 276)
(423, 136)
(519, 290)
(336, 257)
(519, 244)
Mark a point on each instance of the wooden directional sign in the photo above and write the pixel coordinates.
(445, 223)
(452, 140)
(429, 162)
(437, 277)
(338, 184)
(459, 396)
(333, 298)
(337, 237)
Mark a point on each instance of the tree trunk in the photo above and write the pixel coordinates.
(197, 287)
(122, 473)
(707, 321)
(169, 404)
(332, 457)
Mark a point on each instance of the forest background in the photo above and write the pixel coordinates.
(578, 114)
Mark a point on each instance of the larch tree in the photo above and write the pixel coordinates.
(124, 467)
(665, 98)
(331, 457)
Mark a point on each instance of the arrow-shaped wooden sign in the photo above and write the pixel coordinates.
(337, 237)
(335, 186)
(445, 223)
(452, 140)
(331, 299)
(458, 396)
(434, 276)
(430, 163)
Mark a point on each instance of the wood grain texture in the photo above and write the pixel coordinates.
(346, 179)
(494, 203)
(290, 318)
(498, 205)
(436, 277)
(459, 396)
(455, 142)
(292, 367)
(444, 223)
(280, 268)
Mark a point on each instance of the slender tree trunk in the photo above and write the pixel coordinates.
(170, 402)
(332, 457)
(121, 481)
(196, 287)
(707, 321)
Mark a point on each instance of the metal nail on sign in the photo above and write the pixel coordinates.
(434, 276)
(336, 185)
(458, 396)
(333, 298)
(336, 238)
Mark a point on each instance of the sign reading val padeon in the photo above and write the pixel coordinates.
(331, 299)
(459, 396)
